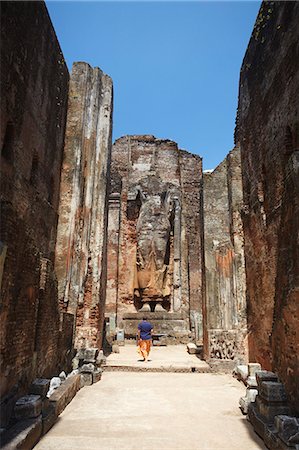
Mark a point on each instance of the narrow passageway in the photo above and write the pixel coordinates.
(156, 411)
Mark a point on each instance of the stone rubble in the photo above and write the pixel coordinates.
(247, 375)
(268, 409)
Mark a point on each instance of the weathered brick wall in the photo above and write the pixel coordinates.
(34, 84)
(268, 133)
(147, 162)
(225, 319)
(81, 241)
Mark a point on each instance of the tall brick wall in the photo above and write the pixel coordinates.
(34, 84)
(268, 134)
(81, 242)
(154, 166)
(225, 319)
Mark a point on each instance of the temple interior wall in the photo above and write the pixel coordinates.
(53, 286)
(268, 134)
(81, 259)
(34, 86)
(224, 261)
(143, 162)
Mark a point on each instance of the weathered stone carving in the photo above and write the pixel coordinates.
(225, 344)
(152, 284)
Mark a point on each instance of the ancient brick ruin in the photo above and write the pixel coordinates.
(94, 236)
(81, 262)
(33, 116)
(268, 134)
(224, 261)
(155, 238)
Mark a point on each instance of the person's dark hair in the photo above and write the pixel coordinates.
(144, 318)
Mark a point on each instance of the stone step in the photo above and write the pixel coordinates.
(167, 369)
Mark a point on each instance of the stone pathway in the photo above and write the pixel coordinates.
(155, 411)
(163, 359)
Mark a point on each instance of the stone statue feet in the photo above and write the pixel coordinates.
(145, 308)
(159, 308)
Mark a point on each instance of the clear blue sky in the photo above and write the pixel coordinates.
(175, 65)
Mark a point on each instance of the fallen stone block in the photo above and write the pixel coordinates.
(23, 435)
(271, 438)
(288, 429)
(87, 354)
(97, 375)
(250, 397)
(241, 371)
(253, 368)
(62, 396)
(73, 372)
(192, 348)
(28, 407)
(40, 386)
(7, 403)
(55, 383)
(272, 391)
(62, 376)
(45, 404)
(265, 375)
(269, 410)
(75, 363)
(87, 368)
(251, 382)
(86, 379)
(257, 422)
(101, 359)
(48, 419)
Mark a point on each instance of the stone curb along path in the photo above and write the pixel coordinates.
(36, 413)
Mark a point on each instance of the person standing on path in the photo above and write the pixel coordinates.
(145, 330)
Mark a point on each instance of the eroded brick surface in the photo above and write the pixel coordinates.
(224, 261)
(34, 84)
(268, 133)
(81, 243)
(155, 235)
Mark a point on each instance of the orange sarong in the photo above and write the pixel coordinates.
(144, 348)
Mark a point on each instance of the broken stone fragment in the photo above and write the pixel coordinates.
(45, 404)
(65, 393)
(192, 348)
(251, 382)
(241, 371)
(101, 359)
(97, 375)
(75, 363)
(73, 372)
(40, 386)
(249, 398)
(23, 435)
(87, 368)
(86, 379)
(55, 382)
(49, 418)
(268, 411)
(288, 429)
(28, 407)
(265, 375)
(253, 368)
(273, 391)
(62, 376)
(87, 354)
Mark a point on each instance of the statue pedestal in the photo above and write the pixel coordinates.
(174, 324)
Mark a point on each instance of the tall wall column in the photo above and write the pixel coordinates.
(82, 231)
